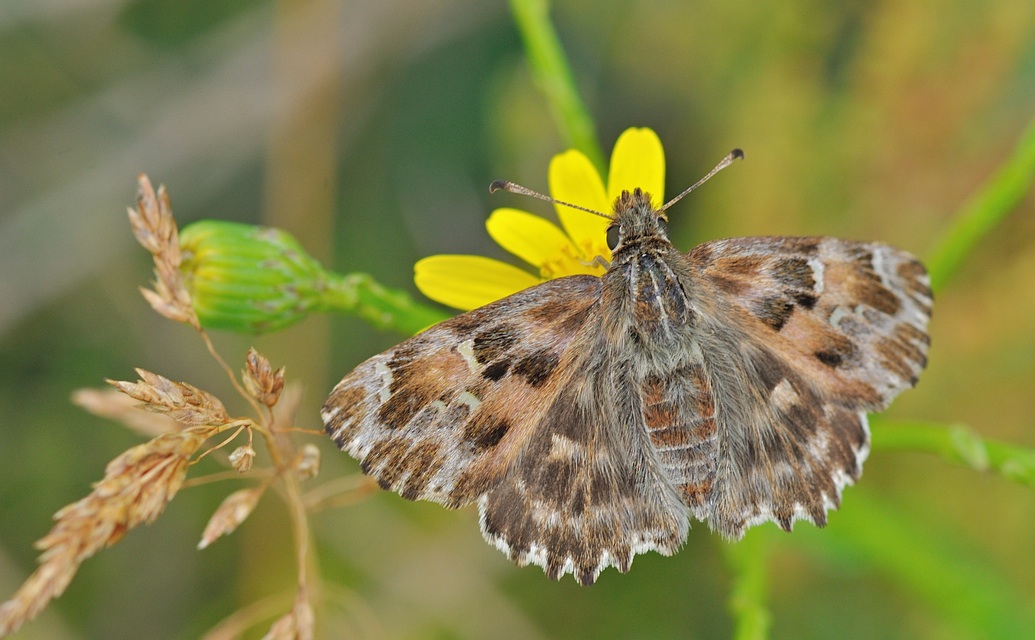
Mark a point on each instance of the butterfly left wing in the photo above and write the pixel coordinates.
(801, 336)
(440, 416)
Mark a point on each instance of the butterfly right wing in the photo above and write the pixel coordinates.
(801, 337)
(441, 416)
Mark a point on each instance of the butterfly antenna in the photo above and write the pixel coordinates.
(506, 185)
(736, 154)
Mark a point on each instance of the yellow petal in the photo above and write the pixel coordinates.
(573, 179)
(468, 282)
(638, 160)
(527, 236)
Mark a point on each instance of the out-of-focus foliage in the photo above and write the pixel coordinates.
(370, 130)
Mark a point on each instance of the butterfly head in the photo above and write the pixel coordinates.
(635, 219)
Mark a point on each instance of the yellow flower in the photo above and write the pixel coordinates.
(468, 282)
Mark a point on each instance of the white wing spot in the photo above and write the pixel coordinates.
(471, 400)
(836, 316)
(385, 374)
(562, 448)
(466, 351)
(783, 395)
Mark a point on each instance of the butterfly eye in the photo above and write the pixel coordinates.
(614, 234)
(663, 226)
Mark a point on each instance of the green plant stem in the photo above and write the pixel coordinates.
(359, 294)
(747, 598)
(984, 210)
(552, 73)
(959, 444)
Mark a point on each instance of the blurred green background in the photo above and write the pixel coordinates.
(371, 129)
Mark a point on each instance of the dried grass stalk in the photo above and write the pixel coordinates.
(136, 487)
(155, 229)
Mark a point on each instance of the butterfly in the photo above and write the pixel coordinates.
(591, 417)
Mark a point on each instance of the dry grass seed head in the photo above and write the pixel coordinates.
(234, 510)
(135, 489)
(264, 384)
(115, 405)
(308, 462)
(242, 458)
(181, 401)
(155, 229)
(297, 624)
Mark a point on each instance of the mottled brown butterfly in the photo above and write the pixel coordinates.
(590, 417)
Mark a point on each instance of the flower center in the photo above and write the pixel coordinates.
(569, 261)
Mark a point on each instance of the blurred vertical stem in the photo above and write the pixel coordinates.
(984, 211)
(747, 599)
(552, 73)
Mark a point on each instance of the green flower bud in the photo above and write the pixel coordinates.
(252, 279)
(249, 279)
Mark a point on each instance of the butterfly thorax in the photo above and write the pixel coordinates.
(645, 272)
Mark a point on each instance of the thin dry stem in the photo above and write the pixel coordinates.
(238, 387)
(340, 492)
(236, 624)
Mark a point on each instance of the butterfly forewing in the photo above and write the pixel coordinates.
(855, 312)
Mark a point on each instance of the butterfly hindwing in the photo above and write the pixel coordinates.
(588, 491)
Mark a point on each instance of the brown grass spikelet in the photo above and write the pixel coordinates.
(242, 458)
(308, 462)
(180, 401)
(234, 510)
(296, 624)
(135, 489)
(113, 404)
(155, 229)
(261, 381)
